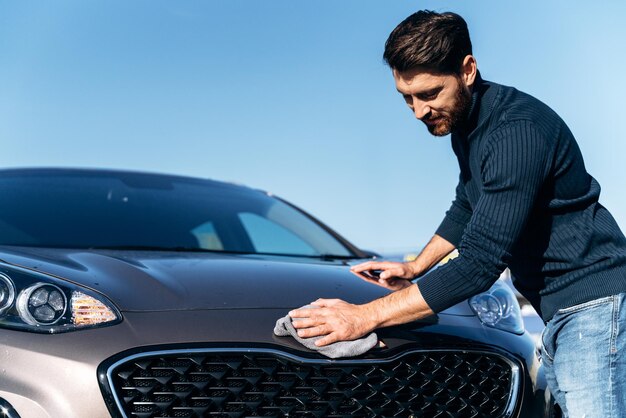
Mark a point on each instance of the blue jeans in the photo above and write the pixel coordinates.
(584, 358)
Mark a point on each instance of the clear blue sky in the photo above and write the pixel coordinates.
(293, 97)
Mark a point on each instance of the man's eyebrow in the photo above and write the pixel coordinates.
(426, 91)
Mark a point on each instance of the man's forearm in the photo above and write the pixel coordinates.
(436, 249)
(408, 305)
(400, 307)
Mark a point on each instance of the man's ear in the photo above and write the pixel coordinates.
(469, 70)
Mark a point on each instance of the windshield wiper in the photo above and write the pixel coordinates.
(326, 257)
(337, 257)
(159, 248)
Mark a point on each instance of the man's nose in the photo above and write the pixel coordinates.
(420, 110)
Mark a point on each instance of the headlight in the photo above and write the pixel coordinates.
(7, 293)
(498, 308)
(41, 304)
(34, 301)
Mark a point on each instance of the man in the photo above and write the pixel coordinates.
(524, 201)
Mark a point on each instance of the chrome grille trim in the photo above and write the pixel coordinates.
(509, 409)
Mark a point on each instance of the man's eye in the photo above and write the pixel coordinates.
(408, 99)
(429, 96)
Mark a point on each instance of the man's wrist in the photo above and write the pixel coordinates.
(373, 314)
(413, 269)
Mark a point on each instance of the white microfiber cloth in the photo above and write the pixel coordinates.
(284, 328)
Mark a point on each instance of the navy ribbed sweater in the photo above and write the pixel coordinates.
(525, 201)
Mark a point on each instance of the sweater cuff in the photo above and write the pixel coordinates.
(434, 290)
(451, 230)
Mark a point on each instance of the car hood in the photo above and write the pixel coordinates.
(161, 281)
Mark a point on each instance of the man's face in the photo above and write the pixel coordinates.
(442, 102)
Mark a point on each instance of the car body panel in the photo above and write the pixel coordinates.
(151, 281)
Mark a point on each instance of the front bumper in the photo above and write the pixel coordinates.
(52, 376)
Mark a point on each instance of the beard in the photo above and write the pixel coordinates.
(457, 116)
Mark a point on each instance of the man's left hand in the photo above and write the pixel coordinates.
(335, 319)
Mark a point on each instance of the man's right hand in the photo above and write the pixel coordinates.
(394, 276)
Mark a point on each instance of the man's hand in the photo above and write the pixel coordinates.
(335, 319)
(394, 276)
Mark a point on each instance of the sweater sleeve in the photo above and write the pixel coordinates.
(514, 165)
(457, 217)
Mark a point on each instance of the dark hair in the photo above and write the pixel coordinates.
(434, 41)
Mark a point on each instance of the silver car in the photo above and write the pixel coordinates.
(128, 294)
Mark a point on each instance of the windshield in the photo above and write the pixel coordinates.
(85, 209)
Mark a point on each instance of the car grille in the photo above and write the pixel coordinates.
(269, 383)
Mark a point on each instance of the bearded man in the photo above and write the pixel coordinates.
(524, 201)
